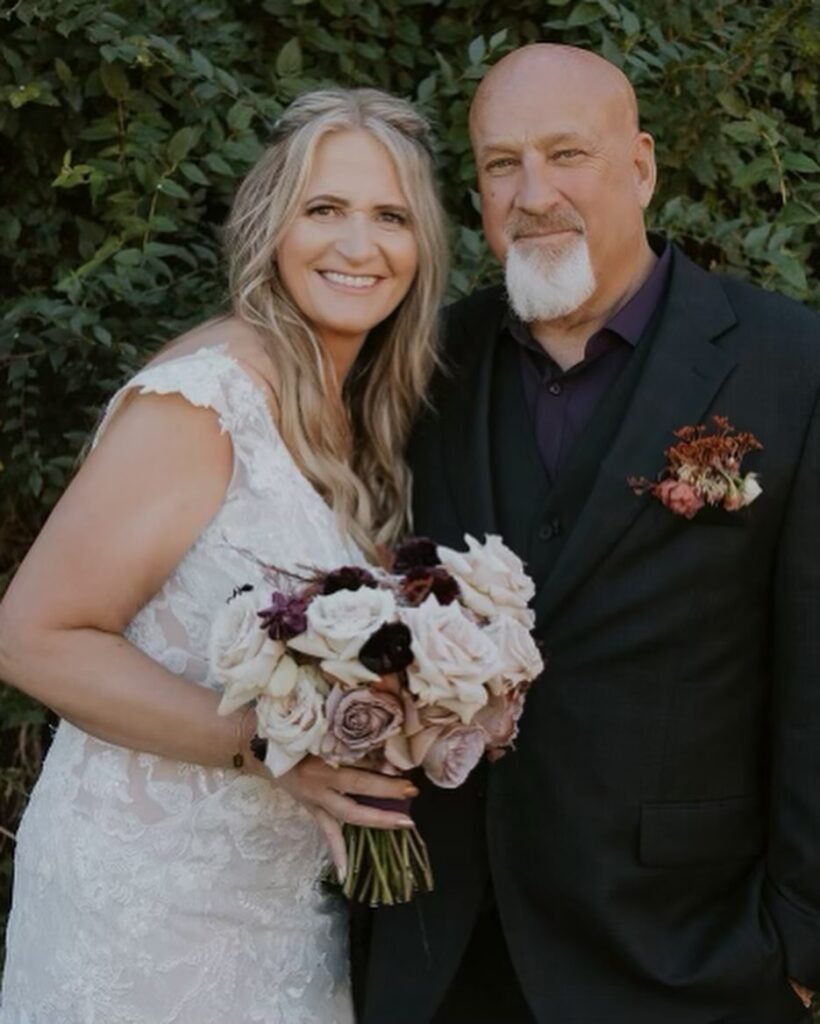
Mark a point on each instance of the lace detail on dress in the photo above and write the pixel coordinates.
(153, 892)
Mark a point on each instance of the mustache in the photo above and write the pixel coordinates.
(520, 224)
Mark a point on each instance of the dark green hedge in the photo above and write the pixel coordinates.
(124, 127)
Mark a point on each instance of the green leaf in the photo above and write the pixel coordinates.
(216, 163)
(630, 22)
(240, 116)
(182, 142)
(732, 103)
(476, 50)
(114, 80)
(790, 269)
(201, 64)
(742, 131)
(193, 173)
(289, 59)
(800, 162)
(426, 88)
(584, 14)
(172, 188)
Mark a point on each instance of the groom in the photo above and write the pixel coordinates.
(650, 852)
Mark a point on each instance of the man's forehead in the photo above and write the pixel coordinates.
(561, 90)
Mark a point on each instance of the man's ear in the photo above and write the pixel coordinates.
(645, 171)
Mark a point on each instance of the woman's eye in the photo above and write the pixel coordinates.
(324, 210)
(393, 217)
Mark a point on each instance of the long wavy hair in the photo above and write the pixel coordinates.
(351, 451)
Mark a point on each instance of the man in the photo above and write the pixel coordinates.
(650, 852)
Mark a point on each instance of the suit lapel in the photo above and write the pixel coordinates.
(683, 372)
(465, 423)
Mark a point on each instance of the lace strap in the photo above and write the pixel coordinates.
(208, 378)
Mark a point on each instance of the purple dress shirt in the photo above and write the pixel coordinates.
(561, 402)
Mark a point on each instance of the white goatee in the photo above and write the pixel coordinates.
(544, 284)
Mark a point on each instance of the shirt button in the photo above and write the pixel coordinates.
(555, 388)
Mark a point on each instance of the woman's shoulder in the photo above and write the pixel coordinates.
(221, 365)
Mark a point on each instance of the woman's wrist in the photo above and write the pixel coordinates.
(249, 754)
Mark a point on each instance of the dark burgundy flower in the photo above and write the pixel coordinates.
(415, 553)
(388, 650)
(285, 618)
(349, 577)
(419, 583)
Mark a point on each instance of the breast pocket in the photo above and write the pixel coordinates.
(702, 832)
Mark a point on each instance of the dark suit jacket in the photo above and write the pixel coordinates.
(654, 839)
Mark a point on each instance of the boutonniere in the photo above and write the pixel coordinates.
(703, 468)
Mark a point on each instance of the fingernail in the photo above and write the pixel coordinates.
(410, 791)
(340, 875)
(406, 822)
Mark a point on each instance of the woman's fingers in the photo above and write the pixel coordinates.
(362, 783)
(335, 840)
(343, 808)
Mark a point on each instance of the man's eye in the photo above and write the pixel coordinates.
(501, 163)
(568, 154)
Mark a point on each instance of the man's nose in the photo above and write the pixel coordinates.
(536, 192)
(355, 241)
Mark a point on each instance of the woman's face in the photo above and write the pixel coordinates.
(351, 254)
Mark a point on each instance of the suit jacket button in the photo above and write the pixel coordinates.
(549, 530)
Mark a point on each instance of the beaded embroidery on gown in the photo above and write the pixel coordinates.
(148, 891)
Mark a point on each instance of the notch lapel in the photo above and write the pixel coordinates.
(465, 431)
(682, 375)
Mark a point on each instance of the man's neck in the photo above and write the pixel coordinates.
(565, 339)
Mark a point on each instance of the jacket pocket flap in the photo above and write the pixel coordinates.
(700, 832)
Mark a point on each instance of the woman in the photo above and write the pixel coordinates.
(154, 882)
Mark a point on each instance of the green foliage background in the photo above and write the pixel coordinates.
(125, 125)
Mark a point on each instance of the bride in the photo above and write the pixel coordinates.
(155, 883)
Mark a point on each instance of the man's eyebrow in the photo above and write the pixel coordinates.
(544, 142)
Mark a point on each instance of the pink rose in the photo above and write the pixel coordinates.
(499, 720)
(679, 497)
(454, 755)
(358, 721)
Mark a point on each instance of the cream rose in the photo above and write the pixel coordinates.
(454, 755)
(519, 659)
(294, 725)
(338, 626)
(243, 659)
(499, 720)
(452, 658)
(492, 579)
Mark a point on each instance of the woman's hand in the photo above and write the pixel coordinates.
(328, 794)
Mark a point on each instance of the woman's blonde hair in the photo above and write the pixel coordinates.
(351, 452)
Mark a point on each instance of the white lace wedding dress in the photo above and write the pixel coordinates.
(148, 891)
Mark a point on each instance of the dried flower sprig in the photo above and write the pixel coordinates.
(704, 468)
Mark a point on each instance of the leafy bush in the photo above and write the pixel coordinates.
(125, 125)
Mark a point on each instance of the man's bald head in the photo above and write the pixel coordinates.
(565, 175)
(562, 70)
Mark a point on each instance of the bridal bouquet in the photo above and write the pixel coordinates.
(424, 664)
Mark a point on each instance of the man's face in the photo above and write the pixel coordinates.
(561, 165)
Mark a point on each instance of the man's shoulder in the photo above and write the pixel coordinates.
(765, 308)
(483, 308)
(761, 317)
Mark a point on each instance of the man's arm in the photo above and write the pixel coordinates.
(793, 891)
